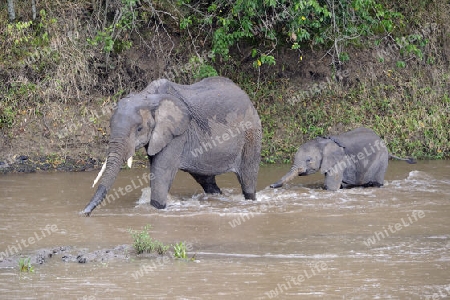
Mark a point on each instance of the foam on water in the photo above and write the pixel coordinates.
(419, 181)
(292, 198)
(271, 255)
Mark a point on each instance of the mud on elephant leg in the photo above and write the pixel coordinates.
(208, 183)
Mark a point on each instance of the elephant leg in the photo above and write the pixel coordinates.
(208, 183)
(249, 166)
(248, 186)
(160, 184)
(333, 180)
(373, 184)
(164, 166)
(374, 176)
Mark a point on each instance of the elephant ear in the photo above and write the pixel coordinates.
(154, 86)
(332, 155)
(171, 119)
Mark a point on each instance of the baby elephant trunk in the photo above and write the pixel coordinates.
(289, 176)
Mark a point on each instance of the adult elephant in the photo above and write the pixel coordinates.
(355, 158)
(205, 129)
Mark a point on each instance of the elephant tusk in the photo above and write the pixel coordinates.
(130, 161)
(100, 173)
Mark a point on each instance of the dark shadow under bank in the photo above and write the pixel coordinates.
(26, 164)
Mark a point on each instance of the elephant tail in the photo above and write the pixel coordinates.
(409, 160)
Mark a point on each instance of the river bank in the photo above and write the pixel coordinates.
(59, 89)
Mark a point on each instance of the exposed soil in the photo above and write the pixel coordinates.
(63, 138)
(26, 164)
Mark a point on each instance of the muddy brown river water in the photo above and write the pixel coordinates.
(297, 242)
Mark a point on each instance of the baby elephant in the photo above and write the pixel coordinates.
(355, 158)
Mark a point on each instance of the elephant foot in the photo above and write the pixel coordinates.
(157, 205)
(212, 189)
(208, 183)
(250, 196)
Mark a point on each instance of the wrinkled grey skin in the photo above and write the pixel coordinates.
(355, 158)
(173, 122)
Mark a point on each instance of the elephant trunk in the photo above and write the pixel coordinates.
(114, 161)
(99, 195)
(289, 176)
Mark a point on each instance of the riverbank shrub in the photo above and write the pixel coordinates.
(268, 25)
(143, 243)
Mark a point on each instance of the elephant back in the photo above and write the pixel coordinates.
(216, 97)
(359, 140)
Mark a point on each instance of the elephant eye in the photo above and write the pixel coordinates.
(140, 128)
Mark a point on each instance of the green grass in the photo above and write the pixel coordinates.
(413, 119)
(25, 265)
(143, 243)
(180, 252)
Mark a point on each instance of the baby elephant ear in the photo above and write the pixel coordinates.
(171, 119)
(332, 155)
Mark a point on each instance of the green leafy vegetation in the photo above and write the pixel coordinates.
(29, 43)
(299, 24)
(25, 265)
(26, 43)
(201, 69)
(180, 251)
(143, 243)
(116, 35)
